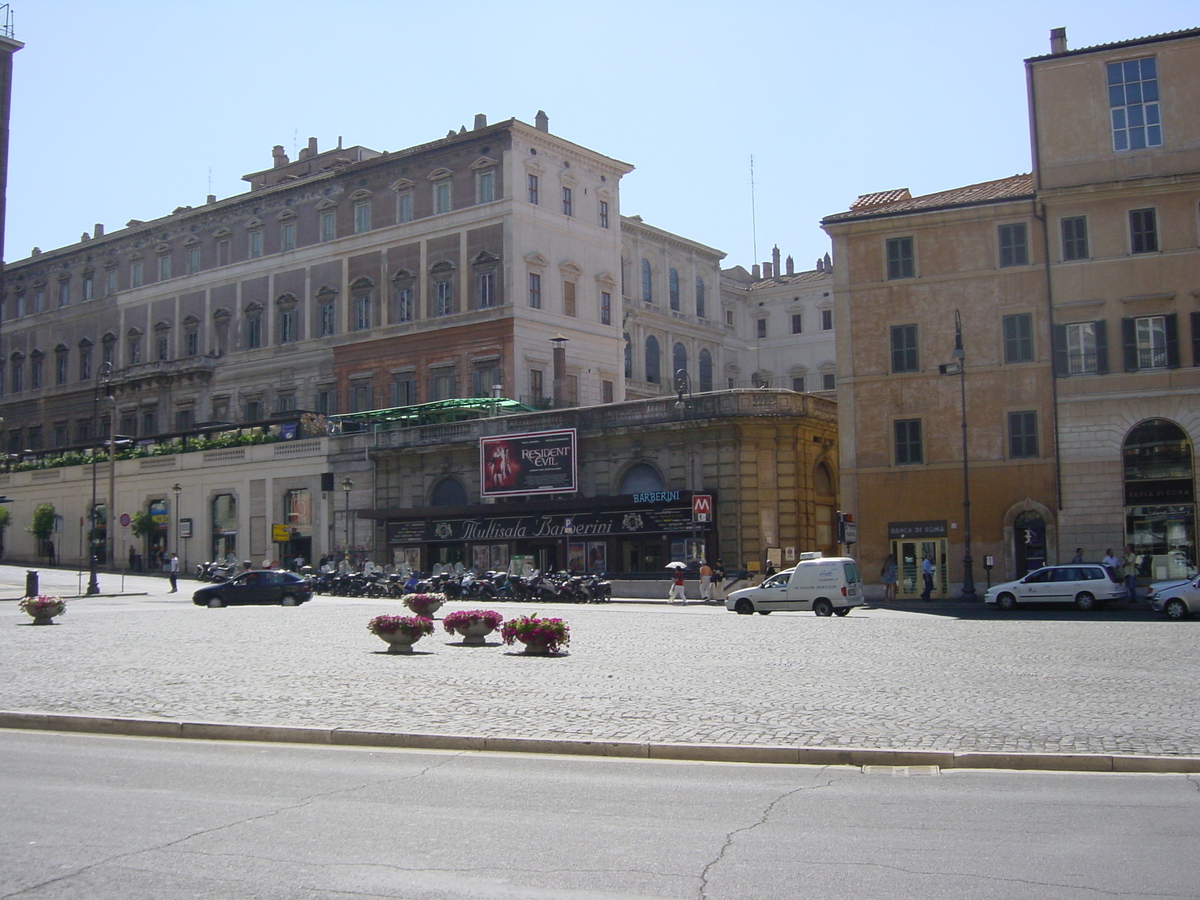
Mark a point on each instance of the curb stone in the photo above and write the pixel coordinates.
(732, 753)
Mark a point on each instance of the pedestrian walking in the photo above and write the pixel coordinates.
(705, 581)
(1131, 561)
(718, 581)
(1078, 557)
(927, 577)
(770, 570)
(676, 592)
(173, 574)
(888, 575)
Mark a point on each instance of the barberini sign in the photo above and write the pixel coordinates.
(538, 462)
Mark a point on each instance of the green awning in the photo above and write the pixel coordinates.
(434, 413)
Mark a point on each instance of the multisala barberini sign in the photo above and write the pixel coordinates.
(538, 462)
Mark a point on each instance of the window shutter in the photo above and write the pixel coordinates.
(1058, 344)
(1196, 339)
(1129, 344)
(1101, 347)
(1172, 327)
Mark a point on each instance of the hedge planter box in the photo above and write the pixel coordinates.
(472, 625)
(400, 632)
(424, 604)
(43, 609)
(541, 637)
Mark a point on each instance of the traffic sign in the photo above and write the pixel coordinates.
(701, 507)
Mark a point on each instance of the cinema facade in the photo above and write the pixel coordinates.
(624, 488)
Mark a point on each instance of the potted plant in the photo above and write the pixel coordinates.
(424, 604)
(43, 609)
(400, 632)
(541, 637)
(473, 625)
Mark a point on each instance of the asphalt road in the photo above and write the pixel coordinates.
(130, 818)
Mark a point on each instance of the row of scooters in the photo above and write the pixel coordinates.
(560, 587)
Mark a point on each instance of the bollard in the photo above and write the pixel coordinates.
(31, 583)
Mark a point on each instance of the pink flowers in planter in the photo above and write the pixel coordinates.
(538, 635)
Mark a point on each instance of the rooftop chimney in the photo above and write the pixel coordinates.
(820, 264)
(541, 121)
(98, 231)
(212, 198)
(480, 121)
(766, 270)
(791, 265)
(754, 272)
(775, 261)
(307, 152)
(1058, 41)
(278, 156)
(828, 263)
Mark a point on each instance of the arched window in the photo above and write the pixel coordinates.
(641, 478)
(701, 310)
(678, 359)
(706, 371)
(653, 374)
(448, 492)
(673, 289)
(647, 284)
(822, 481)
(1160, 511)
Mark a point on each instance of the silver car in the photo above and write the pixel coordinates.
(1087, 585)
(1175, 599)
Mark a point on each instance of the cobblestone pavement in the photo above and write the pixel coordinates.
(1068, 683)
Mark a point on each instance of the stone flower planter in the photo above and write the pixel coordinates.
(43, 609)
(400, 632)
(472, 625)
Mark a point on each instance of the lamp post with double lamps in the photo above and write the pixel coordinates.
(959, 368)
(177, 490)
(103, 383)
(347, 484)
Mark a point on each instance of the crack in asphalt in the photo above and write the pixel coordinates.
(216, 829)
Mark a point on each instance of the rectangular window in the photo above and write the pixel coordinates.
(184, 418)
(532, 182)
(287, 325)
(798, 384)
(904, 349)
(88, 288)
(326, 401)
(1151, 340)
(328, 224)
(60, 368)
(35, 372)
(797, 323)
(18, 377)
(252, 411)
(441, 197)
(1022, 435)
(149, 421)
(404, 304)
(362, 217)
(568, 298)
(254, 332)
(362, 313)
(85, 363)
(1074, 238)
(485, 186)
(135, 351)
(404, 389)
(908, 442)
(135, 275)
(603, 213)
(829, 381)
(1081, 348)
(110, 282)
(1143, 231)
(760, 328)
(484, 379)
(164, 268)
(535, 290)
(827, 320)
(441, 385)
(444, 298)
(61, 434)
(900, 260)
(487, 290)
(191, 342)
(287, 237)
(605, 308)
(567, 205)
(1133, 104)
(1018, 338)
(537, 388)
(64, 293)
(360, 396)
(1014, 247)
(193, 260)
(328, 320)
(606, 391)
(163, 344)
(256, 245)
(404, 207)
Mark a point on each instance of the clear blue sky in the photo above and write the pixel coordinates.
(127, 109)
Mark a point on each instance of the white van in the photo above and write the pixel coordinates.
(826, 585)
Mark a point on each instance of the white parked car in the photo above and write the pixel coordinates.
(1087, 585)
(1176, 599)
(825, 585)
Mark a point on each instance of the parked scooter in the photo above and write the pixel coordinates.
(215, 571)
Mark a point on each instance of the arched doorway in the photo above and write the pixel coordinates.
(1160, 499)
(1029, 542)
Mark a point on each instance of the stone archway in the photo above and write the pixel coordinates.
(1024, 514)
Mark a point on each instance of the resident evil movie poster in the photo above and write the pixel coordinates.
(540, 462)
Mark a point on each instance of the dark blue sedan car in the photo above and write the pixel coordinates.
(256, 586)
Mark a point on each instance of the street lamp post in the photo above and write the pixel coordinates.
(959, 354)
(103, 381)
(683, 385)
(347, 484)
(177, 490)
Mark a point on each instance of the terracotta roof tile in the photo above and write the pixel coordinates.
(1011, 188)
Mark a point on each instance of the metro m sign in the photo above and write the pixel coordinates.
(701, 507)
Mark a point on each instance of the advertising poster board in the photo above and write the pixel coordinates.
(514, 465)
